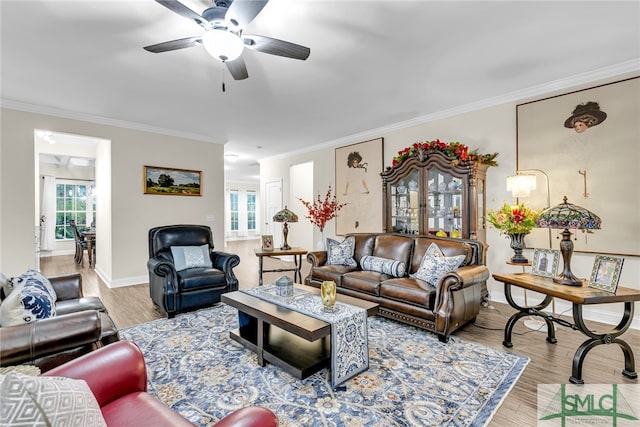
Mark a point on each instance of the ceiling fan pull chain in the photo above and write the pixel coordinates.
(223, 86)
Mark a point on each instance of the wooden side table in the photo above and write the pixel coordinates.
(578, 296)
(297, 260)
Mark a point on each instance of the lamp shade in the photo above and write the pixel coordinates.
(568, 216)
(521, 185)
(222, 44)
(285, 215)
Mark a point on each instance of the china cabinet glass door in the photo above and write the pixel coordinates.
(405, 204)
(445, 203)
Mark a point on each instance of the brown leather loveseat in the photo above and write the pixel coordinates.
(454, 300)
(81, 325)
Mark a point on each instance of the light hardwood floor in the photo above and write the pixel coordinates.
(550, 363)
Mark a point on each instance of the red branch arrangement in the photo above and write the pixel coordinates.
(322, 211)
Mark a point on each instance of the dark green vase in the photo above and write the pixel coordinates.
(517, 244)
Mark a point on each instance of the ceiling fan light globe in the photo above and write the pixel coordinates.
(222, 44)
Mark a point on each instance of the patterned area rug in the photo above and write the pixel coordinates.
(413, 379)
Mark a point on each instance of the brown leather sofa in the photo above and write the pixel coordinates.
(81, 325)
(455, 301)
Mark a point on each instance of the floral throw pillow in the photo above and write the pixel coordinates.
(341, 253)
(434, 265)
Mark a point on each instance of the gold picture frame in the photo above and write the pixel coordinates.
(358, 167)
(606, 273)
(267, 242)
(171, 181)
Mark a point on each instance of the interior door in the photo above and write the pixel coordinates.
(273, 204)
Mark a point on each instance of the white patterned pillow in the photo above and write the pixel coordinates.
(31, 276)
(27, 302)
(383, 265)
(190, 257)
(47, 401)
(434, 265)
(341, 253)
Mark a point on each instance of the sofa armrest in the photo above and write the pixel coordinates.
(251, 416)
(163, 269)
(464, 277)
(111, 372)
(27, 342)
(68, 286)
(226, 262)
(317, 258)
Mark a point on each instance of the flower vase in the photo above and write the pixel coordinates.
(517, 244)
(320, 246)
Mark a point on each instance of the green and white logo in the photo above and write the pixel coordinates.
(563, 405)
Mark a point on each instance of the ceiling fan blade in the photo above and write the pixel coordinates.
(241, 12)
(276, 47)
(174, 45)
(184, 11)
(237, 68)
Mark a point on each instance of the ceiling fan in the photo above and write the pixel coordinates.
(224, 39)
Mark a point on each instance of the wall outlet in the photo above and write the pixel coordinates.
(211, 218)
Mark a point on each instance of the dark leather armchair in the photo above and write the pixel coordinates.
(81, 325)
(176, 291)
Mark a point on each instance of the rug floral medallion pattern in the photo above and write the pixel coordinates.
(413, 379)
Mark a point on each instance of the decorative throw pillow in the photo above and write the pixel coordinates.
(190, 257)
(383, 265)
(27, 302)
(31, 276)
(434, 265)
(341, 253)
(47, 401)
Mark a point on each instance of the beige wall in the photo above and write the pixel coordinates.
(491, 129)
(123, 222)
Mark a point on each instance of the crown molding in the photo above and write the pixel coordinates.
(65, 114)
(613, 72)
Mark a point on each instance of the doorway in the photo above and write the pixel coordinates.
(67, 188)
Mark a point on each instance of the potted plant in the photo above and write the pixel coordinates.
(515, 222)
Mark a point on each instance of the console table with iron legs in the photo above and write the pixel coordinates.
(297, 254)
(579, 296)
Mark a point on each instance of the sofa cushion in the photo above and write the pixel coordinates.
(341, 253)
(434, 265)
(201, 278)
(393, 246)
(55, 401)
(330, 272)
(407, 290)
(364, 281)
(185, 257)
(383, 265)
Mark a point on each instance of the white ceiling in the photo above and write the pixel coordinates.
(372, 64)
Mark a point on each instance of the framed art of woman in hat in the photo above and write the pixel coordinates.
(585, 116)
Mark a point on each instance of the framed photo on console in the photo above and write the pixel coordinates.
(267, 242)
(606, 273)
(545, 262)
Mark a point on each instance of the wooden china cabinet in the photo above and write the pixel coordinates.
(428, 192)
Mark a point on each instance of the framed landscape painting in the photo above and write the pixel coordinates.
(171, 181)
(358, 167)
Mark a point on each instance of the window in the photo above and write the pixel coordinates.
(74, 201)
(251, 210)
(233, 204)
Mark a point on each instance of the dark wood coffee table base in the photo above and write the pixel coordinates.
(296, 343)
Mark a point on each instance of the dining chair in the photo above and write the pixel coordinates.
(81, 243)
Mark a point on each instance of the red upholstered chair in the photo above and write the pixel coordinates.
(117, 376)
